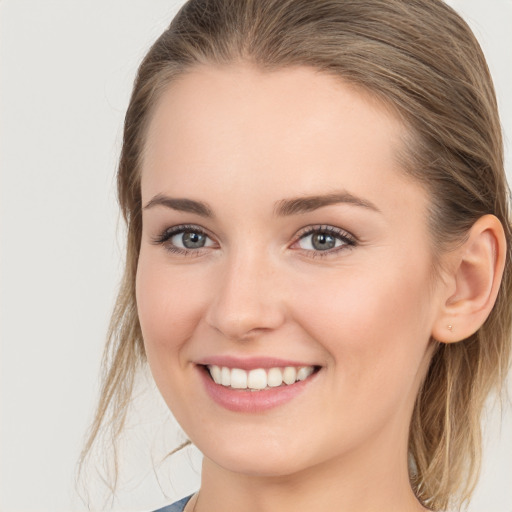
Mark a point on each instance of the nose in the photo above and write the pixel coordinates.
(248, 299)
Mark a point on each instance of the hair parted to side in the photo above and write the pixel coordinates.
(421, 58)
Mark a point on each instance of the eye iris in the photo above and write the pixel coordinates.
(193, 240)
(323, 241)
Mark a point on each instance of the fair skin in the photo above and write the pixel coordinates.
(344, 285)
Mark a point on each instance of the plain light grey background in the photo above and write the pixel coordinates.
(67, 68)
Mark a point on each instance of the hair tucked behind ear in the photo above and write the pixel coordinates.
(419, 57)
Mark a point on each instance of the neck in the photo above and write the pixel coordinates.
(377, 482)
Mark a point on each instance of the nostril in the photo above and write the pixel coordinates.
(246, 325)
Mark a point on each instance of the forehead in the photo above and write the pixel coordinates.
(290, 131)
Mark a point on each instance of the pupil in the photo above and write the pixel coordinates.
(323, 241)
(192, 240)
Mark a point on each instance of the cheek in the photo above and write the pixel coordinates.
(169, 306)
(375, 324)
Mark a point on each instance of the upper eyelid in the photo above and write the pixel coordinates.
(308, 230)
(174, 230)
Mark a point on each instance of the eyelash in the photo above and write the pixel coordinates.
(348, 240)
(167, 234)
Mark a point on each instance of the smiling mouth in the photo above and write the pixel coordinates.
(260, 378)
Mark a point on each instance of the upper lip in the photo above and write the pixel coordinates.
(250, 363)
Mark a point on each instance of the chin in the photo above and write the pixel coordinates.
(260, 459)
(257, 466)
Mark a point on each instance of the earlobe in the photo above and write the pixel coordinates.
(474, 281)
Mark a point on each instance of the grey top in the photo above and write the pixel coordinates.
(178, 506)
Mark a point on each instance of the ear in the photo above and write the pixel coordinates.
(473, 281)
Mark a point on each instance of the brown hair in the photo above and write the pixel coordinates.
(418, 56)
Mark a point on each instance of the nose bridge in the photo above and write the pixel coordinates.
(247, 300)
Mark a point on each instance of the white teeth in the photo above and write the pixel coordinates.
(289, 375)
(225, 376)
(216, 374)
(274, 377)
(259, 378)
(304, 372)
(238, 379)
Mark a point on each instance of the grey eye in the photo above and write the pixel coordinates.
(190, 240)
(320, 241)
(323, 241)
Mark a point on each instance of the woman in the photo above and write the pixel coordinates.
(317, 269)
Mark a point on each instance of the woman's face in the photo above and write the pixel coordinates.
(279, 231)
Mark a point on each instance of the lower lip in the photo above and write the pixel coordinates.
(239, 400)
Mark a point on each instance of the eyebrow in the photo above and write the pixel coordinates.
(309, 203)
(284, 207)
(181, 204)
